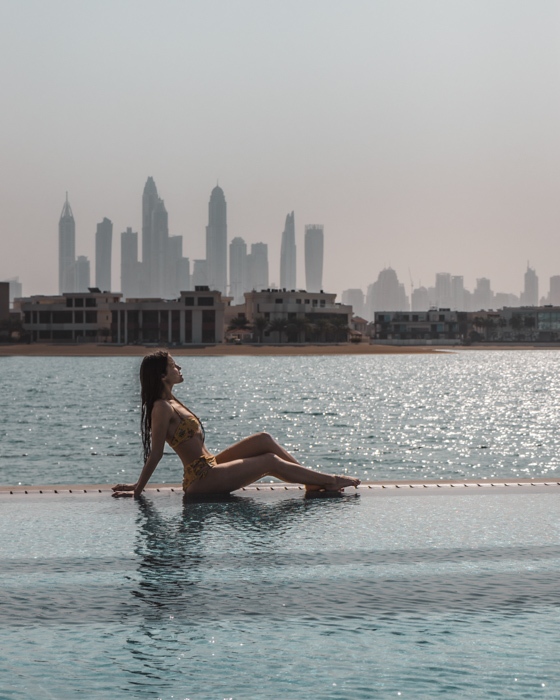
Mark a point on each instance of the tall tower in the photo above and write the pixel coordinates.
(288, 254)
(103, 247)
(314, 258)
(172, 284)
(257, 266)
(238, 270)
(130, 267)
(82, 274)
(149, 202)
(216, 241)
(66, 249)
(530, 294)
(443, 290)
(159, 252)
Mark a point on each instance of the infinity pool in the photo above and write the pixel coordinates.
(388, 593)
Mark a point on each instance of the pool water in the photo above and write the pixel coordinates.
(383, 594)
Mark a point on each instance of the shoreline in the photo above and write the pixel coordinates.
(226, 350)
(220, 350)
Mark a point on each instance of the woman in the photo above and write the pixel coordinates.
(166, 419)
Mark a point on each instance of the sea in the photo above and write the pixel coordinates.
(449, 415)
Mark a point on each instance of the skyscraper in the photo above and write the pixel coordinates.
(386, 294)
(199, 277)
(130, 267)
(483, 296)
(82, 274)
(458, 293)
(172, 280)
(149, 202)
(184, 274)
(419, 299)
(530, 294)
(159, 252)
(257, 263)
(216, 241)
(314, 258)
(66, 250)
(355, 299)
(238, 282)
(554, 294)
(443, 290)
(288, 254)
(103, 248)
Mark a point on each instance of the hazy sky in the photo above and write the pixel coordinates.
(422, 134)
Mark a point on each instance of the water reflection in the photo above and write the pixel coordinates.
(214, 556)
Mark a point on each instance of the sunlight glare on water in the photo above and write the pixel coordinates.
(482, 414)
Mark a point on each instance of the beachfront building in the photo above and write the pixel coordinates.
(433, 325)
(194, 318)
(521, 324)
(279, 315)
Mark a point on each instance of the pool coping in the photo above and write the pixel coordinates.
(418, 486)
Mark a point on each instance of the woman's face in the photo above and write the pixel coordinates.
(173, 374)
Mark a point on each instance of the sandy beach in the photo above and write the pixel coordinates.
(102, 350)
(226, 350)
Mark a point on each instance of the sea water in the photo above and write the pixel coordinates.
(448, 415)
(412, 593)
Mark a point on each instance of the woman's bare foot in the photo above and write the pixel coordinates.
(338, 483)
(124, 487)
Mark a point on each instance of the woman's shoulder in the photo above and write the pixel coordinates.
(161, 407)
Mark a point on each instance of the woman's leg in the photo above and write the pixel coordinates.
(230, 476)
(253, 446)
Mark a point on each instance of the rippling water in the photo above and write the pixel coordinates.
(467, 414)
(374, 596)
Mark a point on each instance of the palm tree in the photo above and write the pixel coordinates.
(260, 324)
(516, 322)
(323, 327)
(340, 328)
(298, 329)
(239, 323)
(280, 326)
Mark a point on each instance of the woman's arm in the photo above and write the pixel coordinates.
(161, 417)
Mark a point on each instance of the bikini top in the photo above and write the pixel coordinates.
(188, 427)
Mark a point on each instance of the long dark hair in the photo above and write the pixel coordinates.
(152, 370)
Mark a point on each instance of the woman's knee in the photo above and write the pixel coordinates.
(271, 460)
(267, 439)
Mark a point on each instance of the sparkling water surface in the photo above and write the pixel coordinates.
(454, 415)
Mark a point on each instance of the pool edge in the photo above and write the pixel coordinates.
(432, 485)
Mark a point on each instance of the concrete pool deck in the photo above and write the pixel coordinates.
(368, 486)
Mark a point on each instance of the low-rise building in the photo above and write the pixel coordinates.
(297, 316)
(435, 324)
(195, 318)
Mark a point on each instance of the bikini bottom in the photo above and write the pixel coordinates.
(198, 469)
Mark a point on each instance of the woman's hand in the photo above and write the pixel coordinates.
(123, 490)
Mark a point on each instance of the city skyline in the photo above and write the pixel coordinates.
(165, 272)
(421, 135)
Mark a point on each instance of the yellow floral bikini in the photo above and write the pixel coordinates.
(189, 427)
